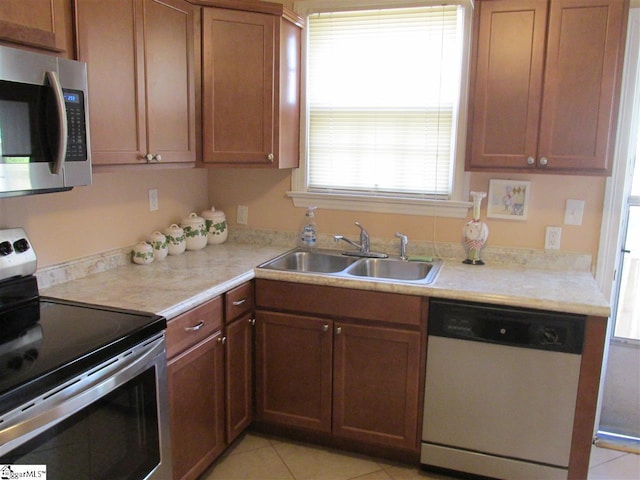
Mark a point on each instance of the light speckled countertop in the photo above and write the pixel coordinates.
(176, 284)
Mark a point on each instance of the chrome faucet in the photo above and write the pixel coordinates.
(364, 247)
(404, 240)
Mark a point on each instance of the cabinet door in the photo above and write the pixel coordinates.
(238, 86)
(582, 82)
(109, 38)
(169, 79)
(196, 382)
(37, 23)
(376, 385)
(508, 83)
(293, 370)
(239, 376)
(139, 56)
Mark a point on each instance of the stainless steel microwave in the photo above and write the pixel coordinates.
(44, 123)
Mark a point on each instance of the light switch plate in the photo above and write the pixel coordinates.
(573, 212)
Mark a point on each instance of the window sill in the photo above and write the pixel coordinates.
(362, 203)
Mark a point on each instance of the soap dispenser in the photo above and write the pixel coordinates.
(308, 232)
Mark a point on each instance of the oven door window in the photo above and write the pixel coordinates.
(115, 438)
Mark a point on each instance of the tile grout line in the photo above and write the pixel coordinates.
(281, 459)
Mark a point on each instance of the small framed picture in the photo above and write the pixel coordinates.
(508, 199)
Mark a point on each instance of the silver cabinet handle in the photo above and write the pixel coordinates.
(239, 302)
(271, 157)
(194, 328)
(62, 120)
(252, 321)
(148, 157)
(544, 161)
(222, 340)
(338, 330)
(157, 157)
(531, 161)
(325, 328)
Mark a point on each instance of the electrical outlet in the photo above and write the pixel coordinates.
(552, 238)
(242, 216)
(153, 200)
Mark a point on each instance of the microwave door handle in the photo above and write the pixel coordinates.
(62, 121)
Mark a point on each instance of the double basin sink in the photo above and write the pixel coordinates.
(331, 263)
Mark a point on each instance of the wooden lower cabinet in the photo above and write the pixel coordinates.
(195, 371)
(293, 370)
(376, 384)
(239, 376)
(355, 380)
(196, 397)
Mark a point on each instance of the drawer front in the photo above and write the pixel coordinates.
(193, 326)
(239, 301)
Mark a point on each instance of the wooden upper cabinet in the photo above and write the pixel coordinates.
(42, 24)
(250, 92)
(140, 60)
(546, 109)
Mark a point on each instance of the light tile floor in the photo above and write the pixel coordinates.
(257, 457)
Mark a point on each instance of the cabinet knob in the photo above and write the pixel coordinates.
(544, 161)
(252, 321)
(271, 157)
(222, 340)
(531, 161)
(150, 157)
(325, 328)
(338, 330)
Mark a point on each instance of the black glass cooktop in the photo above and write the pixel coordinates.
(45, 341)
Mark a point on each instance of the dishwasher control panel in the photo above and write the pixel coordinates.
(541, 329)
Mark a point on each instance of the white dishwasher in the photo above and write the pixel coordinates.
(500, 390)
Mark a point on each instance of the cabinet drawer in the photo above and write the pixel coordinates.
(193, 326)
(340, 302)
(239, 301)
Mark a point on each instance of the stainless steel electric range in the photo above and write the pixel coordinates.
(83, 391)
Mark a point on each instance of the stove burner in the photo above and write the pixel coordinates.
(20, 353)
(45, 341)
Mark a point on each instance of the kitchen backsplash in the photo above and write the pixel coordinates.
(539, 259)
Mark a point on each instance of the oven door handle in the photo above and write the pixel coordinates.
(61, 153)
(30, 420)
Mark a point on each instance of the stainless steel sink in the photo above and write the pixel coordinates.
(310, 262)
(391, 269)
(332, 263)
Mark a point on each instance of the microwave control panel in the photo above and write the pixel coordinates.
(76, 126)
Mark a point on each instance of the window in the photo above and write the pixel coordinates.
(384, 89)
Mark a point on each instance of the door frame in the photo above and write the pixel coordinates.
(617, 185)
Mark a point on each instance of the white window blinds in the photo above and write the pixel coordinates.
(382, 95)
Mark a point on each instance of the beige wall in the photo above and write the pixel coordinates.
(264, 192)
(111, 213)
